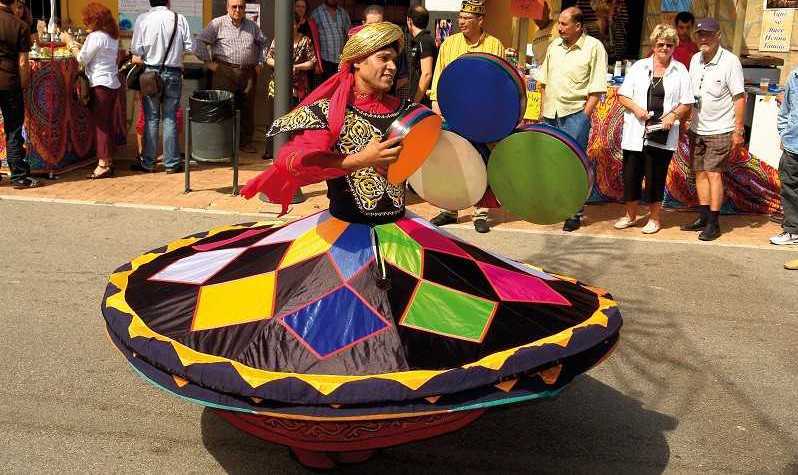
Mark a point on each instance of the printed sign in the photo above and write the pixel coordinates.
(776, 30)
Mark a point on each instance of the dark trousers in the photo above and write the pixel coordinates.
(102, 109)
(788, 174)
(242, 83)
(12, 105)
(652, 164)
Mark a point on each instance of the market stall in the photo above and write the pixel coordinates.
(59, 131)
(752, 186)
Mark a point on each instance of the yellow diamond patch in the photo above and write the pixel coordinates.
(235, 302)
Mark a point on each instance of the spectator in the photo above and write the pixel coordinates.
(421, 54)
(237, 48)
(23, 13)
(98, 56)
(568, 104)
(333, 23)
(656, 90)
(684, 22)
(717, 123)
(308, 27)
(304, 61)
(371, 14)
(471, 39)
(150, 46)
(14, 77)
(788, 165)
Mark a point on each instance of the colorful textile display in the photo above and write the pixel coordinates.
(59, 131)
(752, 186)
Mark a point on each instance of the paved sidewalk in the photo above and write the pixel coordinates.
(212, 184)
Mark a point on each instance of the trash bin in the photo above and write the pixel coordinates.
(212, 115)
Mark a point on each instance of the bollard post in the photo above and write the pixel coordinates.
(187, 145)
(236, 139)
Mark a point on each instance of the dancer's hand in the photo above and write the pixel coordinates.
(378, 154)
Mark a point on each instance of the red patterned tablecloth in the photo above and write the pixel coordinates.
(752, 186)
(59, 131)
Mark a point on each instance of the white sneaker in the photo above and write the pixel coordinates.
(624, 223)
(784, 238)
(651, 227)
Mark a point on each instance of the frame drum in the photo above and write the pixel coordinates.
(419, 128)
(454, 177)
(482, 97)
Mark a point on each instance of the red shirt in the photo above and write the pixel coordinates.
(684, 52)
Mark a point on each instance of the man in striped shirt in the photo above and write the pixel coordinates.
(236, 57)
(471, 39)
(333, 23)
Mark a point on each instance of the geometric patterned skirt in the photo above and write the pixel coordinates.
(325, 320)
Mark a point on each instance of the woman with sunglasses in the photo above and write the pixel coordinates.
(656, 93)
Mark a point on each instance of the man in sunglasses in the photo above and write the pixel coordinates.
(471, 39)
(716, 127)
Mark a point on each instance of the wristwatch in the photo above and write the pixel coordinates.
(740, 132)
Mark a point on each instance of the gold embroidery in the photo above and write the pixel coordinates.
(396, 193)
(302, 118)
(368, 187)
(356, 134)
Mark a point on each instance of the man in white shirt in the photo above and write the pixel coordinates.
(717, 123)
(149, 45)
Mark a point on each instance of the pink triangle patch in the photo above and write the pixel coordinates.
(516, 287)
(430, 238)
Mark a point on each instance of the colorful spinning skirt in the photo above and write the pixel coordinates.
(321, 319)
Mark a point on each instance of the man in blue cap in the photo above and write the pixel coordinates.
(717, 123)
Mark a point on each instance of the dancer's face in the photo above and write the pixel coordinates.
(378, 70)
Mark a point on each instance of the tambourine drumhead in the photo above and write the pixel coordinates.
(537, 177)
(454, 176)
(420, 129)
(568, 140)
(481, 96)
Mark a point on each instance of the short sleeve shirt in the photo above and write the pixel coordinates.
(714, 85)
(571, 73)
(422, 46)
(14, 39)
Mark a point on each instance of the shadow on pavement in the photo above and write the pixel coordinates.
(589, 428)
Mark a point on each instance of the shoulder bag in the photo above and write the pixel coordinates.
(150, 82)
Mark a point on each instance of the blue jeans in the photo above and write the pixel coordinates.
(12, 106)
(577, 125)
(172, 89)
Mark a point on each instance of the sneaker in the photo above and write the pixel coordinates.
(710, 232)
(25, 183)
(481, 225)
(624, 223)
(784, 239)
(651, 227)
(572, 224)
(443, 219)
(175, 169)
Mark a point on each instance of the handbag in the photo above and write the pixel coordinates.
(83, 89)
(132, 73)
(150, 82)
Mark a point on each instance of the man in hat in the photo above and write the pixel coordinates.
(471, 39)
(717, 123)
(337, 135)
(573, 77)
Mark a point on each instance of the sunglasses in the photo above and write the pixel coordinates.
(664, 45)
(238, 7)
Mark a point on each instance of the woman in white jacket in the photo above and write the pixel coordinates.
(99, 55)
(655, 93)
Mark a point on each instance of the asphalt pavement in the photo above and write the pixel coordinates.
(704, 380)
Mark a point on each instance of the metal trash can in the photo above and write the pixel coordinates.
(212, 115)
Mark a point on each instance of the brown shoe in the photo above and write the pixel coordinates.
(248, 148)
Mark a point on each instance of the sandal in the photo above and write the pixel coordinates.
(107, 172)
